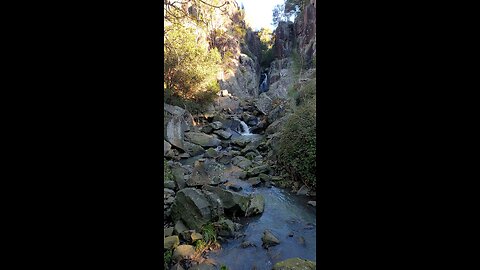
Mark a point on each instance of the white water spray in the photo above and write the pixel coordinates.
(245, 129)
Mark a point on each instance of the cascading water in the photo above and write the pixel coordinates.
(264, 84)
(245, 130)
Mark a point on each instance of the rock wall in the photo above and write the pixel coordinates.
(284, 40)
(306, 33)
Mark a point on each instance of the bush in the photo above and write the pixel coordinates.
(189, 67)
(297, 145)
(167, 258)
(167, 172)
(307, 92)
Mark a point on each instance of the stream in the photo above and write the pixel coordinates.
(284, 214)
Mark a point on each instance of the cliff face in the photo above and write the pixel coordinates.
(284, 40)
(299, 36)
(306, 32)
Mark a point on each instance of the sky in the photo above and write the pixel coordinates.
(259, 12)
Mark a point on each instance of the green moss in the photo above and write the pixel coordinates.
(167, 172)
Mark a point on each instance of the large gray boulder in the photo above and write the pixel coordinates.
(206, 172)
(263, 103)
(196, 208)
(174, 131)
(202, 139)
(176, 121)
(231, 201)
(256, 205)
(166, 147)
(295, 264)
(241, 162)
(193, 149)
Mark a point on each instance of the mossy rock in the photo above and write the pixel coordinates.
(295, 264)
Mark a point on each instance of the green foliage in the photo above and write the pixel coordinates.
(239, 31)
(200, 245)
(297, 64)
(306, 93)
(167, 172)
(223, 267)
(167, 258)
(189, 66)
(209, 233)
(266, 44)
(297, 146)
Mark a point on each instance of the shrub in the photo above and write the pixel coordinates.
(167, 172)
(209, 234)
(297, 145)
(189, 67)
(307, 92)
(167, 258)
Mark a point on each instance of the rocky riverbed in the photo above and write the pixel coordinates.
(222, 172)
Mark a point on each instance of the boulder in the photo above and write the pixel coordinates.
(202, 139)
(225, 227)
(225, 135)
(312, 203)
(216, 125)
(241, 162)
(255, 171)
(303, 190)
(295, 264)
(246, 244)
(179, 175)
(242, 141)
(231, 201)
(167, 231)
(193, 149)
(275, 126)
(169, 184)
(264, 177)
(183, 252)
(180, 227)
(276, 113)
(195, 236)
(254, 181)
(166, 147)
(207, 129)
(256, 206)
(211, 153)
(269, 239)
(195, 208)
(174, 132)
(263, 103)
(206, 172)
(171, 242)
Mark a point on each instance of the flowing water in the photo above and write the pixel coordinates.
(284, 214)
(245, 129)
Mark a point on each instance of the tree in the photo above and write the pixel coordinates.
(189, 68)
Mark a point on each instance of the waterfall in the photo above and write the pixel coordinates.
(245, 129)
(263, 85)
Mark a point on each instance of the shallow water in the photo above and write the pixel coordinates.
(284, 213)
